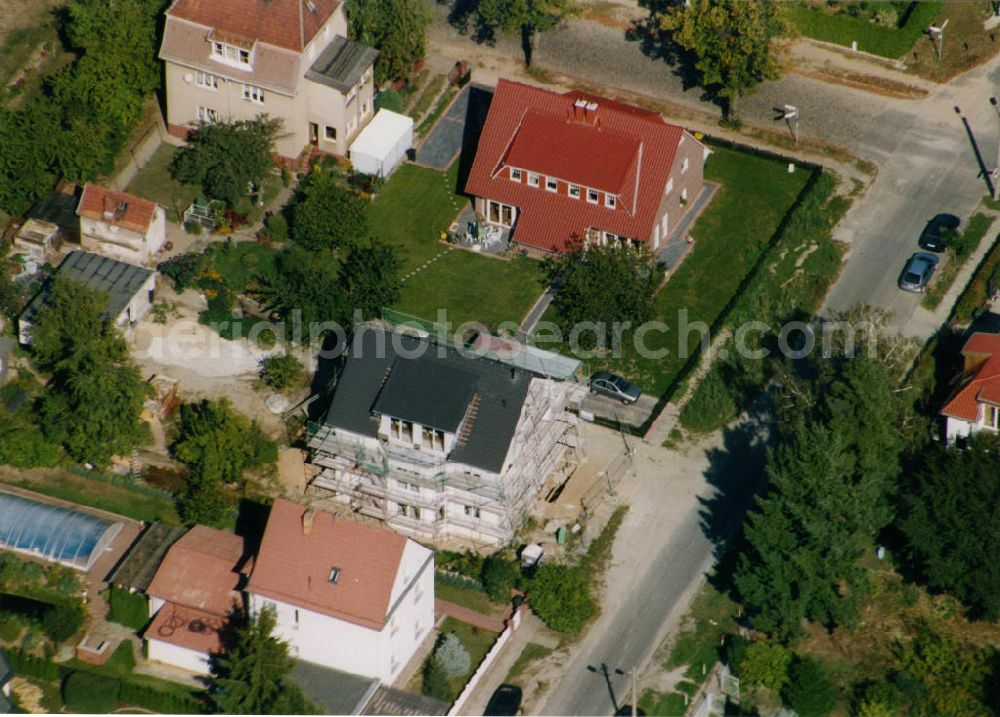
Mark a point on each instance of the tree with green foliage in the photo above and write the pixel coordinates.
(60, 622)
(732, 41)
(96, 393)
(327, 215)
(306, 291)
(396, 28)
(89, 693)
(127, 608)
(216, 441)
(954, 676)
(281, 371)
(560, 596)
(227, 158)
(809, 690)
(951, 525)
(23, 444)
(251, 675)
(499, 576)
(371, 277)
(435, 681)
(524, 19)
(879, 699)
(26, 155)
(764, 664)
(603, 286)
(203, 500)
(452, 655)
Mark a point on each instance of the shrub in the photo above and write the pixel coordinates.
(886, 18)
(62, 621)
(160, 701)
(276, 227)
(25, 446)
(809, 691)
(11, 626)
(182, 270)
(560, 596)
(453, 656)
(468, 563)
(765, 665)
(879, 699)
(281, 371)
(435, 681)
(712, 404)
(32, 666)
(85, 692)
(499, 577)
(128, 609)
(192, 226)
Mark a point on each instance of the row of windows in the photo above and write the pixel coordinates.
(574, 191)
(209, 81)
(429, 438)
(413, 511)
(229, 53)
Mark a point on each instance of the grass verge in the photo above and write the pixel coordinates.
(962, 250)
(472, 599)
(842, 29)
(789, 285)
(986, 277)
(531, 652)
(442, 104)
(154, 182)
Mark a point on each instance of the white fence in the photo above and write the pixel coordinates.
(512, 624)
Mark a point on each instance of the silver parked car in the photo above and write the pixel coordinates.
(615, 386)
(918, 272)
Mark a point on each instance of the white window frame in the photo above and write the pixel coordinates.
(472, 511)
(989, 411)
(574, 191)
(206, 80)
(515, 174)
(231, 55)
(684, 165)
(207, 115)
(684, 194)
(326, 133)
(593, 196)
(551, 184)
(253, 93)
(670, 186)
(609, 201)
(533, 179)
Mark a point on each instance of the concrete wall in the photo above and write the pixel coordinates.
(182, 657)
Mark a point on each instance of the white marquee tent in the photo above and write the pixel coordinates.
(383, 144)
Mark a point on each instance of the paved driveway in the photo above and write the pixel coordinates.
(445, 140)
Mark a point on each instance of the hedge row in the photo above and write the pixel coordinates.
(888, 42)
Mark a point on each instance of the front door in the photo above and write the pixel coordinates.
(313, 133)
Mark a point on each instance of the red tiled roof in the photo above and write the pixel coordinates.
(118, 208)
(610, 150)
(294, 566)
(200, 571)
(185, 627)
(285, 23)
(981, 385)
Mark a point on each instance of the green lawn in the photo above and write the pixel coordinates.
(154, 182)
(477, 643)
(411, 211)
(730, 236)
(472, 599)
(94, 493)
(885, 41)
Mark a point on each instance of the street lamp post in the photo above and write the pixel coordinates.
(791, 116)
(937, 37)
(995, 175)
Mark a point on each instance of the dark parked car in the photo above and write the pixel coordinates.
(505, 701)
(918, 272)
(615, 386)
(939, 232)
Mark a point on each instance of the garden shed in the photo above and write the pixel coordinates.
(383, 144)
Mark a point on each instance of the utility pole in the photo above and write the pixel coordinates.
(791, 116)
(995, 174)
(634, 672)
(937, 37)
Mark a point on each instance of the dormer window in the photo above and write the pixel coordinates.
(401, 430)
(533, 179)
(334, 575)
(551, 184)
(609, 201)
(574, 191)
(230, 53)
(515, 174)
(433, 439)
(592, 196)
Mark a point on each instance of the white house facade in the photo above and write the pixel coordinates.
(974, 405)
(121, 226)
(345, 595)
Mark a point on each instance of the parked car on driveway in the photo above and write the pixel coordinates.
(615, 386)
(918, 272)
(939, 232)
(505, 701)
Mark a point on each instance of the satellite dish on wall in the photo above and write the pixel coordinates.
(189, 78)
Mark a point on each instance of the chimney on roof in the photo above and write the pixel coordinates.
(590, 113)
(308, 518)
(580, 110)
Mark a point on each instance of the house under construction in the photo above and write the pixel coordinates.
(441, 444)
